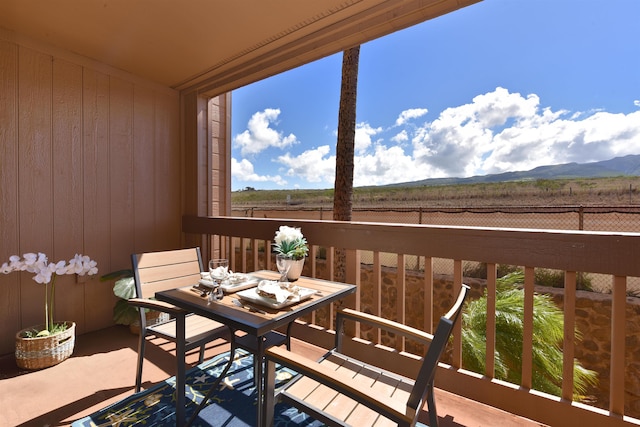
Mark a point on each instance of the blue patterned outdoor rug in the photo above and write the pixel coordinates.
(233, 404)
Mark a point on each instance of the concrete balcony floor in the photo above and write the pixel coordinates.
(102, 371)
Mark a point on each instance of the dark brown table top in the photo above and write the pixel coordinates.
(254, 322)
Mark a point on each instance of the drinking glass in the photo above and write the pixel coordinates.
(283, 264)
(219, 271)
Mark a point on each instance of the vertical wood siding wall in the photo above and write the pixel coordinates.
(90, 162)
(220, 174)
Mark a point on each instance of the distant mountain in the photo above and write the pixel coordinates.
(619, 166)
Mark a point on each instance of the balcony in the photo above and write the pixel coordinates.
(415, 296)
(418, 296)
(112, 197)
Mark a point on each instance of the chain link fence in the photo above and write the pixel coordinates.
(589, 218)
(600, 218)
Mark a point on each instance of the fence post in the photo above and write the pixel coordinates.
(417, 268)
(581, 218)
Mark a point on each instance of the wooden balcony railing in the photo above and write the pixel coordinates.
(247, 242)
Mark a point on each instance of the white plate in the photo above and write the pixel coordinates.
(229, 286)
(253, 296)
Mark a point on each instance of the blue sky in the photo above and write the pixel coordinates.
(502, 85)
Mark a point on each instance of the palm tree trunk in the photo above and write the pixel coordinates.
(345, 148)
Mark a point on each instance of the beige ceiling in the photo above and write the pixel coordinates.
(212, 45)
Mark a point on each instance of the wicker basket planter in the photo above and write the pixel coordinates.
(43, 352)
(152, 317)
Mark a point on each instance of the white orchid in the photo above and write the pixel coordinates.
(81, 265)
(43, 276)
(46, 273)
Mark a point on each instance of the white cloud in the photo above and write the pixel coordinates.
(362, 140)
(636, 102)
(259, 135)
(243, 171)
(312, 165)
(412, 113)
(385, 165)
(495, 108)
(501, 131)
(496, 132)
(456, 142)
(400, 137)
(548, 139)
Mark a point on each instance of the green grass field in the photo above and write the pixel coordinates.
(543, 192)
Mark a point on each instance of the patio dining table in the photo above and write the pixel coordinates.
(258, 321)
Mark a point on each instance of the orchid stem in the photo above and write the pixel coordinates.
(46, 308)
(51, 301)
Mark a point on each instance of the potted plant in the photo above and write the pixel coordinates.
(124, 313)
(48, 344)
(291, 242)
(124, 288)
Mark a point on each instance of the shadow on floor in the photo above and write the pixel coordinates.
(62, 415)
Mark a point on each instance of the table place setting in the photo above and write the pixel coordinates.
(279, 291)
(220, 277)
(276, 294)
(232, 283)
(238, 282)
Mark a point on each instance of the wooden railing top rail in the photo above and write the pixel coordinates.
(588, 251)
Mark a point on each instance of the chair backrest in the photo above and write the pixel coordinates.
(429, 366)
(160, 271)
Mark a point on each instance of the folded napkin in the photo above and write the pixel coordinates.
(238, 281)
(221, 273)
(235, 278)
(279, 291)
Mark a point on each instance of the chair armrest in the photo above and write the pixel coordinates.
(339, 381)
(379, 322)
(157, 305)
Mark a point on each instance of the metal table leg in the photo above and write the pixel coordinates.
(180, 369)
(216, 383)
(259, 368)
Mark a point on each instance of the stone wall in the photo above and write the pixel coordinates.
(593, 321)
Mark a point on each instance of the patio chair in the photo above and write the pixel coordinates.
(339, 390)
(160, 271)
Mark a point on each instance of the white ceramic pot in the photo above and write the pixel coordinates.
(295, 270)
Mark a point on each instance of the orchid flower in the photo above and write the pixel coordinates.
(46, 273)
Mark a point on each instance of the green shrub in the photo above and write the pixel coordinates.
(543, 276)
(479, 270)
(555, 279)
(548, 330)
